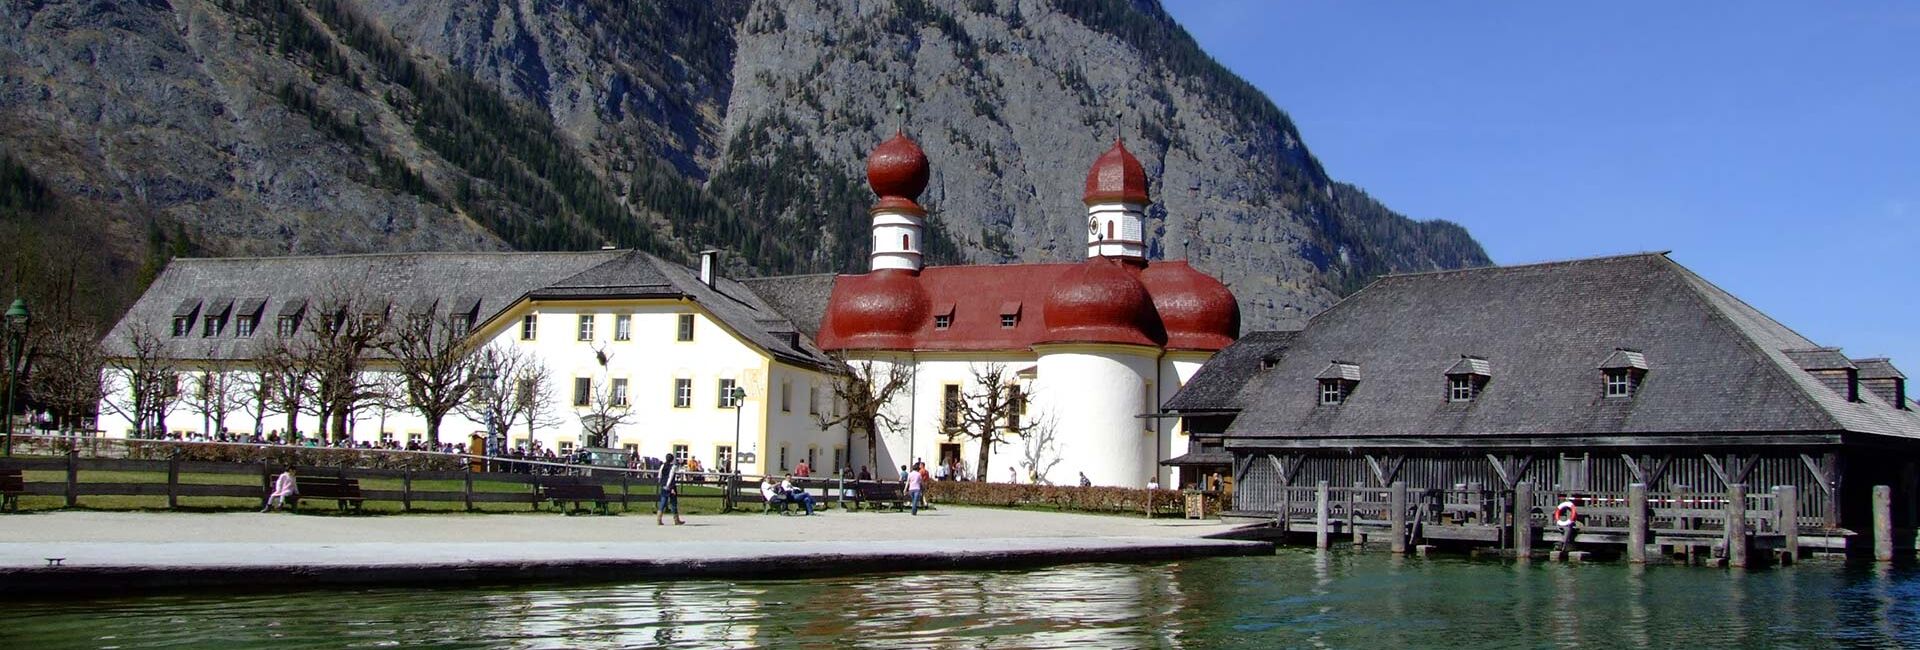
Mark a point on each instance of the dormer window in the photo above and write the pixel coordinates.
(286, 326)
(1621, 372)
(1337, 382)
(1008, 322)
(943, 321)
(1009, 314)
(210, 327)
(182, 325)
(1467, 377)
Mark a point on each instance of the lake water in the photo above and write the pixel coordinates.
(1299, 598)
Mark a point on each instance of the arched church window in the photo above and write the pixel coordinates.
(906, 242)
(1109, 230)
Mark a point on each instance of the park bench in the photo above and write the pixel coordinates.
(345, 491)
(575, 494)
(12, 485)
(880, 494)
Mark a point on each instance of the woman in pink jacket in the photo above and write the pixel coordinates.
(285, 487)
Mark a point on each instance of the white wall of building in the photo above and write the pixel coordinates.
(650, 360)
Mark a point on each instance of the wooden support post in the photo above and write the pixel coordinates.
(73, 478)
(1523, 520)
(626, 492)
(733, 486)
(1286, 508)
(1397, 516)
(1786, 501)
(406, 490)
(173, 482)
(266, 484)
(1882, 523)
(1637, 523)
(467, 494)
(1320, 537)
(1737, 525)
(1353, 513)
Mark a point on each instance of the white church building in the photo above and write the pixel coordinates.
(1092, 347)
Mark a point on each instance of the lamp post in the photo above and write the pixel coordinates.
(486, 377)
(739, 400)
(17, 320)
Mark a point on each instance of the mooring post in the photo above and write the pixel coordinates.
(1637, 523)
(1354, 501)
(467, 494)
(1737, 524)
(1397, 516)
(1882, 523)
(1786, 501)
(406, 490)
(73, 478)
(173, 481)
(1320, 537)
(1523, 520)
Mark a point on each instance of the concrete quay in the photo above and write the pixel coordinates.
(106, 553)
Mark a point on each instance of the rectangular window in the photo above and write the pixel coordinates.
(416, 437)
(727, 399)
(1007, 321)
(529, 327)
(462, 324)
(1461, 388)
(586, 327)
(582, 391)
(783, 458)
(286, 326)
(620, 392)
(566, 446)
(1332, 391)
(723, 457)
(812, 456)
(943, 321)
(786, 397)
(632, 449)
(682, 452)
(839, 460)
(244, 327)
(1619, 383)
(386, 436)
(1149, 406)
(950, 407)
(813, 400)
(181, 325)
(1016, 406)
(623, 327)
(682, 393)
(686, 327)
(211, 327)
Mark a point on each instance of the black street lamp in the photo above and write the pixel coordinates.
(733, 456)
(16, 326)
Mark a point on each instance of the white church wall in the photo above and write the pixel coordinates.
(1095, 393)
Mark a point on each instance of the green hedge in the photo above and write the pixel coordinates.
(1087, 499)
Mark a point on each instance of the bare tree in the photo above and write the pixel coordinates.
(990, 412)
(143, 380)
(436, 366)
(285, 381)
(1038, 453)
(334, 351)
(866, 392)
(67, 377)
(533, 397)
(253, 392)
(389, 396)
(606, 410)
(210, 393)
(492, 392)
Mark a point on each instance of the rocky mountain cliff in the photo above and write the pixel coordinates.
(134, 131)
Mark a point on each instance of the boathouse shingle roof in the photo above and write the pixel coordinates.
(1215, 386)
(1714, 364)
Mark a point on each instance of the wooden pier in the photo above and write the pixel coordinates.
(1739, 527)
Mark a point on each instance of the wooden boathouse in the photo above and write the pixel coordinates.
(1465, 407)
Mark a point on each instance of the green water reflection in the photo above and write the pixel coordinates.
(1298, 598)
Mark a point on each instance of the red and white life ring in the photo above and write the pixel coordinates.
(1564, 513)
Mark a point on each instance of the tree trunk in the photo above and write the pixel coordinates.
(433, 430)
(986, 450)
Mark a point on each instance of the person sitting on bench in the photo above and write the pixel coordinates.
(776, 498)
(284, 488)
(796, 495)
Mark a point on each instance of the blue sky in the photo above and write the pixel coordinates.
(1773, 147)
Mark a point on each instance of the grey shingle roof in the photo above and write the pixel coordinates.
(1878, 368)
(480, 283)
(1213, 388)
(1717, 364)
(802, 298)
(1471, 366)
(1819, 358)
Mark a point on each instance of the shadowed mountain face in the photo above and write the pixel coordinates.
(141, 130)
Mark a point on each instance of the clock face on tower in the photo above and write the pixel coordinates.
(1093, 227)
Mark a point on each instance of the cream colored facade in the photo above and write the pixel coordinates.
(651, 360)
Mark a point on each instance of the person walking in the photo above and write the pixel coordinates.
(284, 487)
(915, 484)
(669, 492)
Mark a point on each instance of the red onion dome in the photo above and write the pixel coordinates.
(1100, 301)
(1198, 311)
(1116, 176)
(897, 171)
(879, 310)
